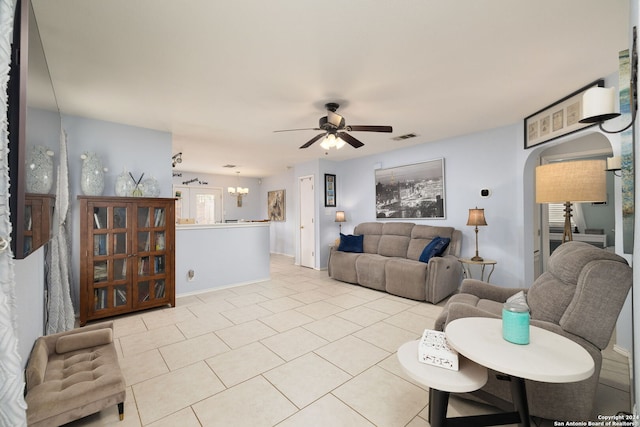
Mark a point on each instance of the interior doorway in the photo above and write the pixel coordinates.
(307, 221)
(595, 222)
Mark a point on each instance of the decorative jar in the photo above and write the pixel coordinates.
(150, 187)
(515, 322)
(39, 170)
(92, 175)
(124, 184)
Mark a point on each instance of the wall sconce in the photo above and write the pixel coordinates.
(177, 158)
(567, 182)
(238, 192)
(476, 218)
(598, 103)
(614, 164)
(340, 218)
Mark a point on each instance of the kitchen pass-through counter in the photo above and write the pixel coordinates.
(215, 256)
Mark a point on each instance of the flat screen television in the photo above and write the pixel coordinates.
(30, 97)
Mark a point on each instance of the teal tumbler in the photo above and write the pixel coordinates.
(515, 323)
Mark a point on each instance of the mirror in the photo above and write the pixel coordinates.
(34, 135)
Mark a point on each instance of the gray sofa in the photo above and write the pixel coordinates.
(390, 261)
(580, 297)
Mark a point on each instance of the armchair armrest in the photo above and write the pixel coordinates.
(459, 310)
(443, 277)
(484, 290)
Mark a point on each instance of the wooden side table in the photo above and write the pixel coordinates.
(467, 263)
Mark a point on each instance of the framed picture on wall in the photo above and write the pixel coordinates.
(329, 190)
(411, 191)
(558, 119)
(276, 205)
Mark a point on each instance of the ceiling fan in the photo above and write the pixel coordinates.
(335, 130)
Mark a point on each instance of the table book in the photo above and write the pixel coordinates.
(434, 350)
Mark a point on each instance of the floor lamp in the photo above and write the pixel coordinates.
(571, 182)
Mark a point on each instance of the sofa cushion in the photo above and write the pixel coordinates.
(343, 266)
(395, 239)
(371, 232)
(406, 278)
(398, 228)
(370, 270)
(435, 248)
(350, 243)
(393, 246)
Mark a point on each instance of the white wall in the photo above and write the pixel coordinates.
(490, 166)
(282, 233)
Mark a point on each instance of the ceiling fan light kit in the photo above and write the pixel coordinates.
(335, 130)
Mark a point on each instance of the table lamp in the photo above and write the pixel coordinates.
(476, 218)
(571, 182)
(340, 218)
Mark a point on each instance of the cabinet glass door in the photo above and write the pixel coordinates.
(109, 257)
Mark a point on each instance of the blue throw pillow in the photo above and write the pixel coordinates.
(350, 243)
(435, 248)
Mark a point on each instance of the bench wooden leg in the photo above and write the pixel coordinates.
(121, 410)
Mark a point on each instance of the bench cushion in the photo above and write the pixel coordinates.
(82, 340)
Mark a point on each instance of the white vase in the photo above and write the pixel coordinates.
(39, 170)
(92, 177)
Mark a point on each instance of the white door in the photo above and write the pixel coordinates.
(307, 222)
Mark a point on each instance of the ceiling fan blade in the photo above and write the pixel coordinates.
(312, 140)
(291, 130)
(350, 140)
(370, 128)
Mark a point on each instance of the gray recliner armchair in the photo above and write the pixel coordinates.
(579, 297)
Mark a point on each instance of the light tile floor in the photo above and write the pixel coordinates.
(298, 350)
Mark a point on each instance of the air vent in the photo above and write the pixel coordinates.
(405, 136)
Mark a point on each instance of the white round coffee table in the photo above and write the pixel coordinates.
(548, 357)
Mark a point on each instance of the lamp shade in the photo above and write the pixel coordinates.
(614, 163)
(476, 217)
(579, 181)
(598, 104)
(340, 217)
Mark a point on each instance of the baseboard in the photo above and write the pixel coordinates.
(627, 353)
(623, 351)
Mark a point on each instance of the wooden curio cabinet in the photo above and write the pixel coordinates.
(127, 255)
(38, 213)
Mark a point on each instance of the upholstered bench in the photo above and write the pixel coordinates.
(73, 374)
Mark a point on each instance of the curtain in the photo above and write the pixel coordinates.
(12, 404)
(60, 314)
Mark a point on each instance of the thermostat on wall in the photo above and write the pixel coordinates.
(485, 192)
